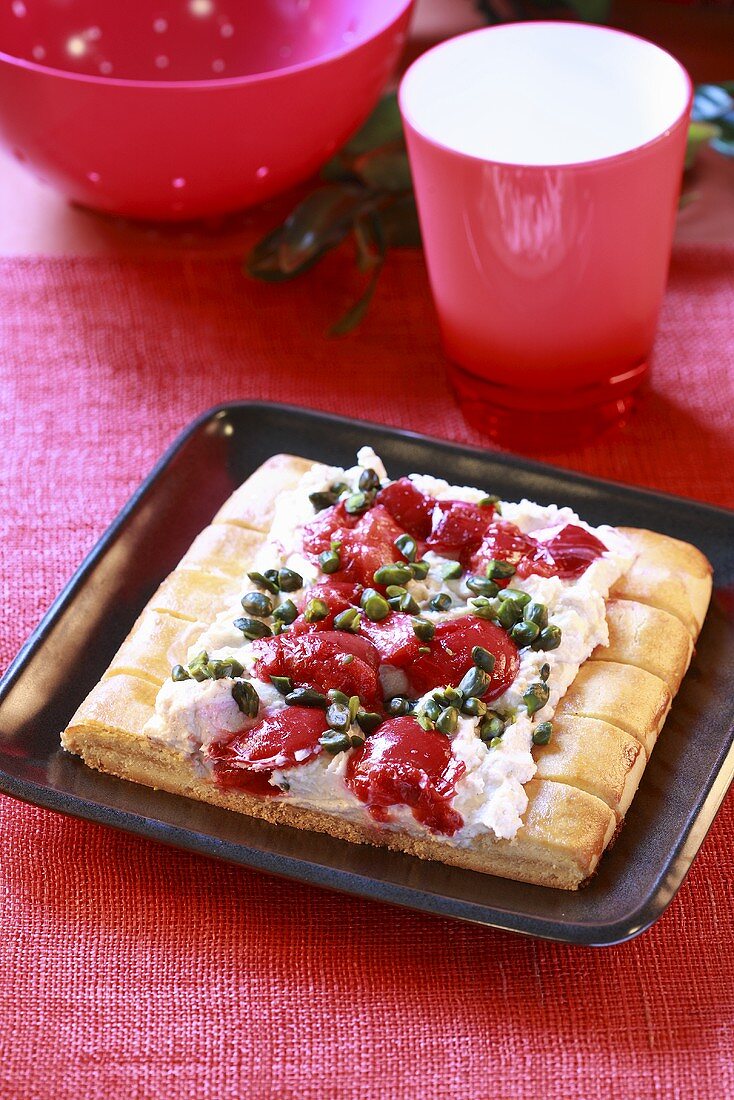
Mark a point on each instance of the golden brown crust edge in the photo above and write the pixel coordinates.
(564, 832)
(606, 784)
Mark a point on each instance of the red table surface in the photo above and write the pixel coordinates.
(130, 970)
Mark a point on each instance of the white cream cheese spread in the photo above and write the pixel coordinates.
(489, 792)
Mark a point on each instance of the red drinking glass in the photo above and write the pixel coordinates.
(547, 161)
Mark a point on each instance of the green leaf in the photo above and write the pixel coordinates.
(385, 169)
(400, 223)
(316, 225)
(591, 11)
(699, 133)
(349, 320)
(382, 127)
(338, 170)
(369, 239)
(319, 223)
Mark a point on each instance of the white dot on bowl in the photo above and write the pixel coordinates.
(76, 46)
(262, 172)
(178, 182)
(226, 30)
(160, 26)
(105, 67)
(93, 177)
(218, 65)
(92, 34)
(161, 62)
(201, 8)
(39, 53)
(18, 8)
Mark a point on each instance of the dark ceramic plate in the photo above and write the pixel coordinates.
(682, 788)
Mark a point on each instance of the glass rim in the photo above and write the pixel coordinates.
(558, 166)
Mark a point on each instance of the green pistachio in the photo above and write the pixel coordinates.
(440, 602)
(499, 570)
(404, 603)
(485, 608)
(230, 667)
(481, 586)
(536, 697)
(289, 580)
(542, 733)
(491, 727)
(399, 706)
(516, 595)
(368, 482)
(322, 500)
(482, 658)
(474, 683)
(375, 606)
(448, 720)
(431, 709)
(545, 673)
(335, 742)
(348, 620)
(537, 613)
(356, 503)
(336, 696)
(179, 673)
(199, 667)
(508, 614)
(398, 572)
(474, 708)
(316, 610)
(407, 546)
(419, 569)
(306, 697)
(252, 628)
(246, 698)
(286, 613)
(265, 580)
(549, 638)
(283, 684)
(338, 717)
(330, 561)
(423, 629)
(451, 570)
(368, 721)
(523, 634)
(257, 604)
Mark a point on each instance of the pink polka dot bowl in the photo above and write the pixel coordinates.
(188, 108)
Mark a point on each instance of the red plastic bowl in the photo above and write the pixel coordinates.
(188, 108)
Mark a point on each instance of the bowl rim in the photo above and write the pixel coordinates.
(401, 9)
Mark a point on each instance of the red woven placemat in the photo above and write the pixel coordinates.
(130, 970)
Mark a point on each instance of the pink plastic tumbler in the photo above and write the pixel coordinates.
(547, 160)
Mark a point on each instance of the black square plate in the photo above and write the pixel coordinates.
(681, 790)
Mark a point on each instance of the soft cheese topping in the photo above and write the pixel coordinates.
(398, 649)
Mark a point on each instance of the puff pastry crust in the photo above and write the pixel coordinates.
(605, 727)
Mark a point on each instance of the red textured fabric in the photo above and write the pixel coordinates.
(128, 970)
